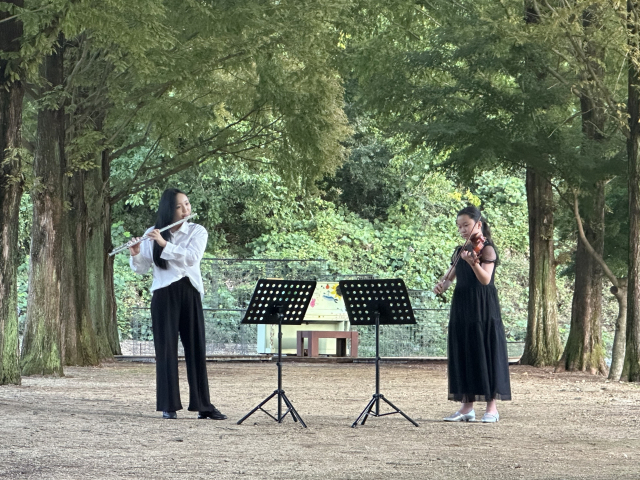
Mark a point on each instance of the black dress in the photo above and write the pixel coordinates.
(477, 347)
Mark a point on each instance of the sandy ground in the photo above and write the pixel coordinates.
(101, 423)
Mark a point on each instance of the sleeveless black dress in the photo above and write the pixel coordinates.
(477, 347)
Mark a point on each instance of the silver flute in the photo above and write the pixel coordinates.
(131, 243)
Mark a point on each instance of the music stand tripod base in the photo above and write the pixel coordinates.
(279, 302)
(375, 302)
(375, 401)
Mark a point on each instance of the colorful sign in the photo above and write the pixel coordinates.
(326, 303)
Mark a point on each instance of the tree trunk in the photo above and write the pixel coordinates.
(42, 346)
(11, 188)
(620, 338)
(90, 331)
(99, 263)
(79, 338)
(95, 297)
(632, 354)
(542, 345)
(584, 350)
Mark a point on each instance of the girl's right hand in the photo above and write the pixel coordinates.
(440, 287)
(135, 249)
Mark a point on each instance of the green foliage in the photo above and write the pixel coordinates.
(131, 289)
(234, 201)
(504, 205)
(415, 243)
(365, 184)
(25, 221)
(241, 82)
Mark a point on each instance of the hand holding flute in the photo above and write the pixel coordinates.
(134, 244)
(152, 235)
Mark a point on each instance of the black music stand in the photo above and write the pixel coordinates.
(284, 302)
(376, 302)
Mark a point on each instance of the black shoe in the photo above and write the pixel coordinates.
(172, 415)
(215, 414)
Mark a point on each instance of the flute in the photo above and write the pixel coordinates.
(131, 243)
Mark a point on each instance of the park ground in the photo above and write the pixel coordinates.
(100, 423)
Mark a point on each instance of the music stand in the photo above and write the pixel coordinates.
(284, 302)
(376, 302)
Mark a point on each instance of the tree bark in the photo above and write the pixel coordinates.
(542, 344)
(100, 265)
(620, 337)
(11, 189)
(42, 345)
(79, 338)
(584, 350)
(632, 355)
(618, 289)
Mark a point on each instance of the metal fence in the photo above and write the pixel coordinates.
(229, 284)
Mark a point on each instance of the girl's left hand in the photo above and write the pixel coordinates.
(470, 257)
(157, 236)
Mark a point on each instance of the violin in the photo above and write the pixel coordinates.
(475, 245)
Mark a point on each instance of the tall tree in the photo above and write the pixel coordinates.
(542, 344)
(632, 354)
(11, 186)
(42, 345)
(618, 289)
(584, 349)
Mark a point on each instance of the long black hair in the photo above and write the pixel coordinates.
(475, 215)
(165, 215)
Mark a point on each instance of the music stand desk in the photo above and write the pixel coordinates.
(281, 302)
(376, 302)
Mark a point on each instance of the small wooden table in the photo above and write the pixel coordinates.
(341, 342)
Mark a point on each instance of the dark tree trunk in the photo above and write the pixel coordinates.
(42, 345)
(95, 298)
(542, 344)
(100, 265)
(584, 350)
(91, 334)
(79, 338)
(89, 319)
(632, 354)
(11, 188)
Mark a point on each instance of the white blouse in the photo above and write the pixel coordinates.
(183, 253)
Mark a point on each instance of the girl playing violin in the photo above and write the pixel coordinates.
(478, 366)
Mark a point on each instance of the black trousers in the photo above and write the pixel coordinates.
(177, 308)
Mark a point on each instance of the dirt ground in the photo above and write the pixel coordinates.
(101, 423)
